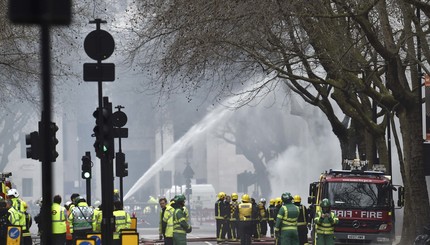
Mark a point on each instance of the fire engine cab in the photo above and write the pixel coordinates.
(362, 200)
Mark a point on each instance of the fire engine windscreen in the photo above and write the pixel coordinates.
(359, 195)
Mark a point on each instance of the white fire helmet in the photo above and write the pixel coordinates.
(13, 192)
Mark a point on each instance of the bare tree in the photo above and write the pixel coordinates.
(12, 120)
(358, 55)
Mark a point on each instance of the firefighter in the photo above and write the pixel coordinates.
(246, 215)
(168, 219)
(302, 221)
(286, 222)
(122, 221)
(278, 206)
(162, 225)
(263, 217)
(180, 224)
(81, 218)
(271, 216)
(28, 221)
(220, 217)
(59, 217)
(227, 201)
(325, 221)
(256, 228)
(233, 221)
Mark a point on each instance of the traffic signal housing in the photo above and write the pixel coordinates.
(33, 141)
(53, 141)
(103, 131)
(121, 167)
(86, 166)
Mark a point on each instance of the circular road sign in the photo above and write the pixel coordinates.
(119, 119)
(99, 45)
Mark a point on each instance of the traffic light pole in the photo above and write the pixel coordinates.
(46, 118)
(108, 222)
(121, 181)
(95, 50)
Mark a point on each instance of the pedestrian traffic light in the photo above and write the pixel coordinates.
(86, 166)
(33, 141)
(121, 167)
(103, 131)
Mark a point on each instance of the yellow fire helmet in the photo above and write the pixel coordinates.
(272, 201)
(278, 201)
(234, 196)
(221, 195)
(245, 198)
(297, 199)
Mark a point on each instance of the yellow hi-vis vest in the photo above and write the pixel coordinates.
(178, 219)
(14, 216)
(325, 225)
(245, 211)
(168, 218)
(58, 219)
(122, 221)
(288, 214)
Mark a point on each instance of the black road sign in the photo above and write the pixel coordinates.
(99, 72)
(56, 12)
(99, 45)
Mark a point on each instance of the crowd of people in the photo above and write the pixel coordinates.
(288, 220)
(245, 220)
(174, 221)
(75, 219)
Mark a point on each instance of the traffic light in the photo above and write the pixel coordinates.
(86, 166)
(103, 131)
(121, 167)
(33, 141)
(53, 141)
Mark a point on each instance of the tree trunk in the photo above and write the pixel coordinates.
(416, 210)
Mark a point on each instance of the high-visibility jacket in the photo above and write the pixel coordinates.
(168, 218)
(19, 204)
(287, 217)
(14, 216)
(220, 209)
(245, 212)
(97, 222)
(325, 225)
(81, 217)
(233, 207)
(186, 213)
(180, 224)
(59, 217)
(122, 221)
(262, 211)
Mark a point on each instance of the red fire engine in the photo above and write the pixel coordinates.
(363, 201)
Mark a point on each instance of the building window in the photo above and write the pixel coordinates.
(27, 187)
